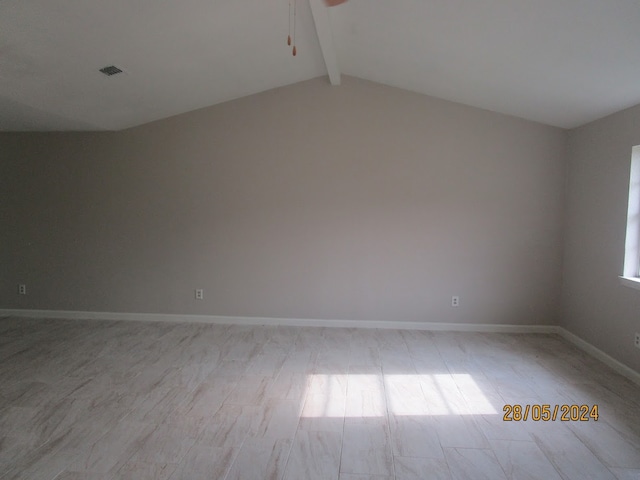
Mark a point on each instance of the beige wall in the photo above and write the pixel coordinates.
(595, 306)
(353, 202)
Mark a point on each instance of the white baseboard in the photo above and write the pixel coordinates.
(305, 322)
(605, 358)
(294, 322)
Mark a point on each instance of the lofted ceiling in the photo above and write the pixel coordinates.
(560, 63)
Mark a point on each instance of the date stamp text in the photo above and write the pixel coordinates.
(550, 413)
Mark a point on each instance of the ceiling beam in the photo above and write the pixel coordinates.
(320, 14)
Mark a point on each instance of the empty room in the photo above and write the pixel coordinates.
(319, 239)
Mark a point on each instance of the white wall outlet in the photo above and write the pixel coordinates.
(455, 301)
(199, 294)
(22, 289)
(637, 340)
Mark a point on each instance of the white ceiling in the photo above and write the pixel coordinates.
(562, 63)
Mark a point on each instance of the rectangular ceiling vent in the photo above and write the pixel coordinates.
(110, 70)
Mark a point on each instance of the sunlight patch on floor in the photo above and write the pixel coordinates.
(365, 395)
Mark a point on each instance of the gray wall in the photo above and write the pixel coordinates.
(353, 202)
(595, 306)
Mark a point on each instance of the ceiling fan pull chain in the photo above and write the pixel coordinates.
(295, 51)
(289, 34)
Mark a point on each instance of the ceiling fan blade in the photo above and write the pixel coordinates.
(333, 3)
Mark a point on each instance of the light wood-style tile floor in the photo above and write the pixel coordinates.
(127, 400)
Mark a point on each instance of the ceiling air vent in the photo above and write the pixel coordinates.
(110, 70)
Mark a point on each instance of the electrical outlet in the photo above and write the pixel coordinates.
(199, 294)
(455, 301)
(637, 340)
(22, 289)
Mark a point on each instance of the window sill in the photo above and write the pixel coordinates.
(633, 282)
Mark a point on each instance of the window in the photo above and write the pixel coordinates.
(631, 273)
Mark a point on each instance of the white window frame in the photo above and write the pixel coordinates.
(631, 273)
